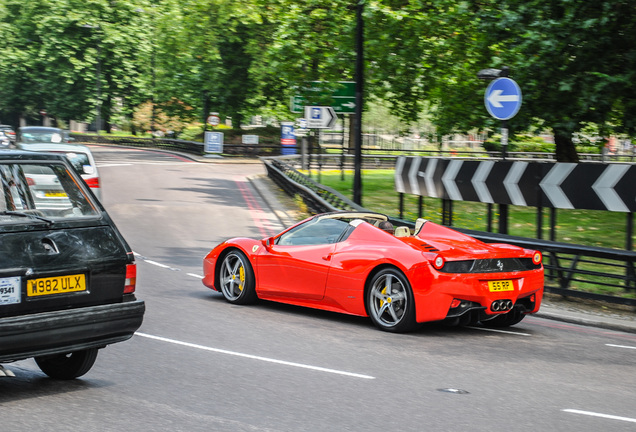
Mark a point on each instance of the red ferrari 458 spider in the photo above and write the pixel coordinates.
(345, 262)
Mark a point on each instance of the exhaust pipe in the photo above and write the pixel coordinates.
(501, 305)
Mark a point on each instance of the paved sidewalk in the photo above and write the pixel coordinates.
(554, 307)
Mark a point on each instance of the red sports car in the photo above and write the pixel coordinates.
(345, 262)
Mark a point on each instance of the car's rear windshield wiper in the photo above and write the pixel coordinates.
(25, 214)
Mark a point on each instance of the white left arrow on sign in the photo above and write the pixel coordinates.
(496, 98)
(479, 181)
(511, 183)
(604, 187)
(551, 184)
(448, 179)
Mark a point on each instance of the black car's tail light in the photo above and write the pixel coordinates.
(131, 278)
(92, 182)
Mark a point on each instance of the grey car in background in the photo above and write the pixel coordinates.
(54, 140)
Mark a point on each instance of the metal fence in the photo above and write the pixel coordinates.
(333, 154)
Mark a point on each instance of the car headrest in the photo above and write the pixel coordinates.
(402, 231)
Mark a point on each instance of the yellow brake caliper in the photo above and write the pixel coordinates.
(241, 277)
(388, 299)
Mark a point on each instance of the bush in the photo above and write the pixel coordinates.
(520, 143)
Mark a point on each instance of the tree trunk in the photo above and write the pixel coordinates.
(351, 145)
(565, 148)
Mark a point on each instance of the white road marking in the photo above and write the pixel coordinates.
(621, 346)
(594, 414)
(195, 275)
(253, 357)
(118, 164)
(156, 263)
(500, 331)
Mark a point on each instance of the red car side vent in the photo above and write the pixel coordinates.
(429, 248)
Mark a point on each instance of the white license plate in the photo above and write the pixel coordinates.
(10, 290)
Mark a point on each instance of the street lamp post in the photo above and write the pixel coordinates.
(490, 75)
(357, 177)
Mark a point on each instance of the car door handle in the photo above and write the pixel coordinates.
(327, 257)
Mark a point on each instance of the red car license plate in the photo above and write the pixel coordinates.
(500, 285)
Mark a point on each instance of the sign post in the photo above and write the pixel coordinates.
(503, 101)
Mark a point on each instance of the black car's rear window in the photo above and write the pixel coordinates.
(46, 190)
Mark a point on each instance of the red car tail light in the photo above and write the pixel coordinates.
(131, 278)
(92, 182)
(438, 262)
(537, 258)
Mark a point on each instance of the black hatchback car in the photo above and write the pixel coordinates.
(67, 276)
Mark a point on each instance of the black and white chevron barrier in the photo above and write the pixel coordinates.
(559, 185)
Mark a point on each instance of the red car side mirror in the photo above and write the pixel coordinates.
(268, 242)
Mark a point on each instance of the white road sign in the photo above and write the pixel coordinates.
(320, 117)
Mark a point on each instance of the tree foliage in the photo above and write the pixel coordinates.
(573, 59)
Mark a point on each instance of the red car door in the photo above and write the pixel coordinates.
(294, 271)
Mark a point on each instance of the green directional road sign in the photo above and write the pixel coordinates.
(340, 96)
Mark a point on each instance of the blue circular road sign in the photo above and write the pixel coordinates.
(503, 98)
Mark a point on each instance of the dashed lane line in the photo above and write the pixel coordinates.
(255, 357)
(595, 414)
(499, 331)
(621, 346)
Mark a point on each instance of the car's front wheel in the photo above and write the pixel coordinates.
(390, 302)
(236, 278)
(67, 366)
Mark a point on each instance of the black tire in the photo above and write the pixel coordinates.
(236, 278)
(505, 320)
(390, 303)
(67, 366)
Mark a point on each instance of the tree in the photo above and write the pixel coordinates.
(62, 55)
(573, 59)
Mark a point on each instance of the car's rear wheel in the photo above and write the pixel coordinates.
(505, 320)
(67, 366)
(390, 302)
(236, 278)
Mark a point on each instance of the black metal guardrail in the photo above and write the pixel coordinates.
(191, 147)
(565, 264)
